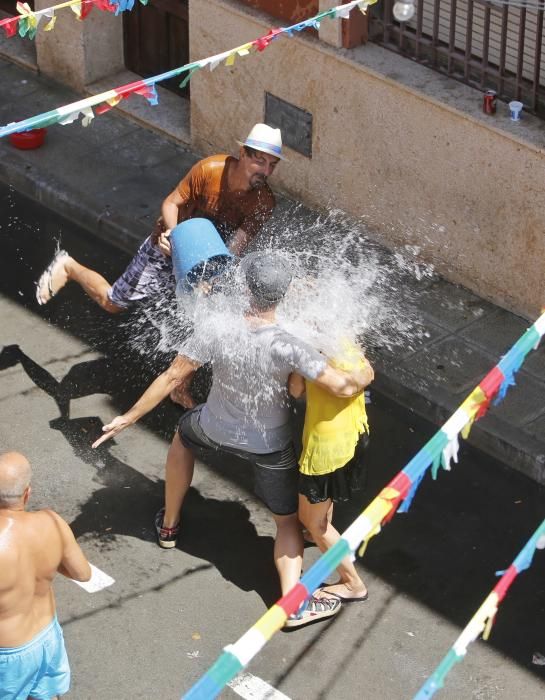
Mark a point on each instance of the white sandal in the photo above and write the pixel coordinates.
(44, 284)
(314, 610)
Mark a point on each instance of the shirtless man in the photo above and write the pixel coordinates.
(231, 192)
(33, 548)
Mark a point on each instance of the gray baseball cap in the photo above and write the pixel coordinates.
(268, 275)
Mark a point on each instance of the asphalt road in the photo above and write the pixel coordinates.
(67, 368)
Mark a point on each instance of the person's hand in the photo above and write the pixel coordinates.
(112, 429)
(163, 242)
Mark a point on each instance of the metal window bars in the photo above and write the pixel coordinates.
(488, 44)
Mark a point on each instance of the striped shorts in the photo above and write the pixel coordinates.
(148, 275)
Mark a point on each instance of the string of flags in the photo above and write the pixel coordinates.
(27, 21)
(438, 452)
(482, 621)
(146, 87)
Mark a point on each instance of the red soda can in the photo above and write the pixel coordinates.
(489, 102)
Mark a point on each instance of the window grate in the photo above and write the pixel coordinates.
(476, 42)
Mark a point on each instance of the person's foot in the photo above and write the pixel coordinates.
(313, 610)
(166, 536)
(342, 592)
(53, 278)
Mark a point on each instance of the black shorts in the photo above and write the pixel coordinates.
(275, 473)
(340, 484)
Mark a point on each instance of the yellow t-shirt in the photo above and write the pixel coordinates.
(333, 425)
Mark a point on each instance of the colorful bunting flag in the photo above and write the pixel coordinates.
(105, 101)
(482, 621)
(26, 22)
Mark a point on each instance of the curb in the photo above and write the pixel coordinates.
(117, 230)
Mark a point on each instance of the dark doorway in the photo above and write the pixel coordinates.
(10, 6)
(156, 38)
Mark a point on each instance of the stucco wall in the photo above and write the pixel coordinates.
(416, 171)
(78, 53)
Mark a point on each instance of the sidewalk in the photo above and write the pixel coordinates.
(112, 177)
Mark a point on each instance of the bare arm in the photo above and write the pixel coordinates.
(170, 207)
(169, 218)
(74, 563)
(345, 384)
(296, 385)
(239, 242)
(179, 372)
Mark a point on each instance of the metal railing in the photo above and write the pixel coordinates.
(484, 44)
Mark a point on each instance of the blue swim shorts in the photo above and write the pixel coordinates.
(38, 669)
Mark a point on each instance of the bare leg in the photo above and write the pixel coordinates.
(288, 550)
(316, 517)
(179, 473)
(306, 533)
(92, 283)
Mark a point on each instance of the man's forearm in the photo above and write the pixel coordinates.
(345, 384)
(154, 394)
(362, 378)
(169, 212)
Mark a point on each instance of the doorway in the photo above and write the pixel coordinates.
(156, 39)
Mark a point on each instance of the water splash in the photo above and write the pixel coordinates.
(345, 286)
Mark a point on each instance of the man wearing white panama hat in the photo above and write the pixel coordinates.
(231, 192)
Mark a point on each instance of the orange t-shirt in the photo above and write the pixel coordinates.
(205, 193)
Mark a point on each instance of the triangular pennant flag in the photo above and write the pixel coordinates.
(149, 92)
(10, 26)
(189, 76)
(50, 14)
(88, 116)
(69, 118)
(76, 9)
(86, 7)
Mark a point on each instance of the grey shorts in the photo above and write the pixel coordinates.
(275, 473)
(148, 275)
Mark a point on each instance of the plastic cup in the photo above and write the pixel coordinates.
(515, 109)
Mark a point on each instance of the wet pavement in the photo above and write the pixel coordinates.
(66, 368)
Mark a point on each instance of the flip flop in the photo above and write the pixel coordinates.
(44, 284)
(343, 599)
(312, 611)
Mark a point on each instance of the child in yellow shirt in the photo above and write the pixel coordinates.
(330, 468)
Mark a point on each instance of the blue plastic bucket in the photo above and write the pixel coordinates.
(198, 252)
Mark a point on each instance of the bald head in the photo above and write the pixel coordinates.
(15, 476)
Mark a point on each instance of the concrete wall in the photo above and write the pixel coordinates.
(417, 171)
(78, 53)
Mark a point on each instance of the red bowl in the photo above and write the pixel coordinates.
(28, 139)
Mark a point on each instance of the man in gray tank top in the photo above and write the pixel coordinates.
(246, 413)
